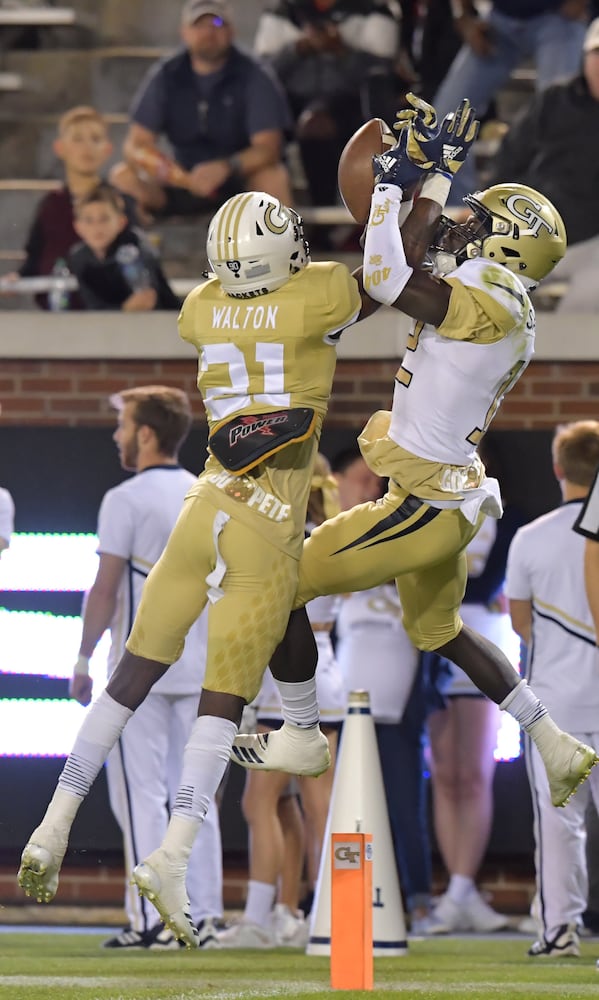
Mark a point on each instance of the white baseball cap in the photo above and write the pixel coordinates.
(195, 9)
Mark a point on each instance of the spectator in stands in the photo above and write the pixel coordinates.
(114, 266)
(83, 146)
(335, 59)
(550, 31)
(543, 145)
(224, 116)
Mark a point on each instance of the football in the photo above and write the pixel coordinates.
(354, 176)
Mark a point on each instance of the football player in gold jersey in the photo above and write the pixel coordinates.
(265, 326)
(472, 338)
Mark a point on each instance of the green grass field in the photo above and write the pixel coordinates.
(50, 966)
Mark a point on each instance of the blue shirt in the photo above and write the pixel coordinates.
(211, 116)
(523, 9)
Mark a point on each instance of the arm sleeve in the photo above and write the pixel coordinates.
(587, 522)
(518, 585)
(149, 104)
(386, 271)
(116, 525)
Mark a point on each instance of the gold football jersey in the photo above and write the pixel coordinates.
(272, 352)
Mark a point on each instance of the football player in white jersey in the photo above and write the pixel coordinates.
(472, 339)
(143, 769)
(549, 609)
(265, 326)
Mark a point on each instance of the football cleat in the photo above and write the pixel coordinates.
(161, 879)
(40, 864)
(565, 944)
(291, 929)
(128, 938)
(291, 749)
(247, 935)
(567, 763)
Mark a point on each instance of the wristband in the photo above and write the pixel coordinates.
(81, 668)
(436, 187)
(235, 165)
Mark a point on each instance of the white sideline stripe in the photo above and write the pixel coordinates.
(284, 988)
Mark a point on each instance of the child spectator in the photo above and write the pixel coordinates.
(83, 145)
(115, 268)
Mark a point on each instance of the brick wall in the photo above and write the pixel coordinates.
(75, 393)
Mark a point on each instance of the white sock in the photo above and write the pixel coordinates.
(62, 809)
(299, 703)
(205, 760)
(99, 732)
(523, 704)
(259, 903)
(459, 888)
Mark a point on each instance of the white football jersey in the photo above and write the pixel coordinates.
(7, 515)
(546, 566)
(374, 652)
(135, 521)
(453, 378)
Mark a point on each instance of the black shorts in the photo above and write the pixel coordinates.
(179, 201)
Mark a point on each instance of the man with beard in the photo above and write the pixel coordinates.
(223, 114)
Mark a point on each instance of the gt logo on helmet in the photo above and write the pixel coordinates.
(268, 220)
(528, 212)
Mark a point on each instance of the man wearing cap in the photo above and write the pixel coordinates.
(223, 114)
(554, 144)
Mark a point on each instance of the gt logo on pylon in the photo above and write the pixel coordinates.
(347, 856)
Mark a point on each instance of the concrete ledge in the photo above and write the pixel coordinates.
(154, 336)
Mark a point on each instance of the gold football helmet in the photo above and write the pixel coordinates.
(515, 226)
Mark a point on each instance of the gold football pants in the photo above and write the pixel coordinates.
(397, 538)
(249, 584)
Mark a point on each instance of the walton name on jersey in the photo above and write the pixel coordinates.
(245, 317)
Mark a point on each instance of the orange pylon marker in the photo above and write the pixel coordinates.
(352, 962)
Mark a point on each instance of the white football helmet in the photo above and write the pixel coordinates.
(515, 226)
(255, 244)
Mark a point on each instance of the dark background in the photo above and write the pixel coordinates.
(57, 477)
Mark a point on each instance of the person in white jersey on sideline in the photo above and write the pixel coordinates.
(550, 611)
(144, 768)
(7, 518)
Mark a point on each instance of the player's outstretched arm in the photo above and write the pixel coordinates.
(388, 276)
